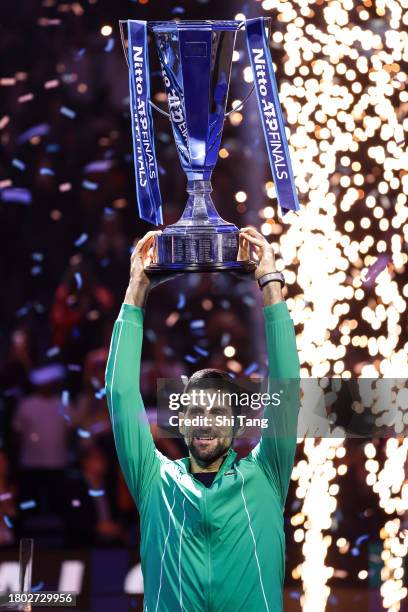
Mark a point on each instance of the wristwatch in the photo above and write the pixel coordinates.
(269, 277)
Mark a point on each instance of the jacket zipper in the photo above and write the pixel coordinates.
(208, 536)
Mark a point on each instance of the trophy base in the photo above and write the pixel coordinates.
(243, 267)
(213, 249)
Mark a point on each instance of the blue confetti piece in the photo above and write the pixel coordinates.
(80, 241)
(225, 338)
(294, 594)
(37, 256)
(105, 262)
(225, 304)
(82, 433)
(54, 350)
(21, 312)
(26, 505)
(90, 185)
(38, 586)
(68, 112)
(248, 300)
(197, 324)
(201, 351)
(17, 163)
(100, 394)
(16, 194)
(78, 280)
(79, 53)
(36, 270)
(65, 397)
(178, 10)
(253, 367)
(96, 492)
(8, 521)
(52, 148)
(168, 351)
(38, 130)
(108, 211)
(361, 539)
(355, 552)
(181, 301)
(102, 165)
(190, 359)
(151, 335)
(375, 269)
(109, 45)
(47, 171)
(74, 367)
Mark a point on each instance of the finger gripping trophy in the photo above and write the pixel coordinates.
(196, 59)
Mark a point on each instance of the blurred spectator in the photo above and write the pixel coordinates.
(92, 414)
(91, 513)
(8, 492)
(161, 365)
(79, 303)
(42, 438)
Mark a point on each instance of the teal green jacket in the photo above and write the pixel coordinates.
(216, 549)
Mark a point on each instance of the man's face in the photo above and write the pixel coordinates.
(208, 440)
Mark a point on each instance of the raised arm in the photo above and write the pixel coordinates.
(276, 450)
(138, 457)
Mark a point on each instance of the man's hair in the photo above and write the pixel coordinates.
(213, 378)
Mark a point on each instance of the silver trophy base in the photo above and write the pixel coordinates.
(197, 252)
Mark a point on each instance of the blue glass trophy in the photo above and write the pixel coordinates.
(196, 59)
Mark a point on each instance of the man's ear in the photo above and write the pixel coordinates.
(182, 427)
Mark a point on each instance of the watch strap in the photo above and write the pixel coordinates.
(269, 277)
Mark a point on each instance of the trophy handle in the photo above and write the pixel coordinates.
(237, 108)
(241, 104)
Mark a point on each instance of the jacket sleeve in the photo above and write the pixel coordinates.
(276, 450)
(137, 453)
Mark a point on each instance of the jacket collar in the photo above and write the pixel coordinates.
(226, 464)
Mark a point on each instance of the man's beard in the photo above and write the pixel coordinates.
(206, 456)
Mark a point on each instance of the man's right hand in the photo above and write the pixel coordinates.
(140, 283)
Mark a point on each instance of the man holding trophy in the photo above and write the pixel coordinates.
(211, 527)
(212, 534)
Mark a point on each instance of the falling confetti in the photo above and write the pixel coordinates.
(17, 163)
(68, 112)
(96, 492)
(198, 323)
(78, 280)
(16, 194)
(181, 301)
(82, 433)
(81, 240)
(91, 185)
(26, 505)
